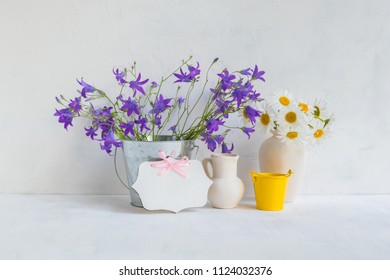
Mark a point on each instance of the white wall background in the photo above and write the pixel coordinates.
(337, 50)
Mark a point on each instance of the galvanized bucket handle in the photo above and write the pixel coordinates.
(197, 150)
(116, 171)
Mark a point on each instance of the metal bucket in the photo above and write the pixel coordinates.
(136, 152)
(270, 190)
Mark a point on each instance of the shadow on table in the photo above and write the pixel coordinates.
(121, 204)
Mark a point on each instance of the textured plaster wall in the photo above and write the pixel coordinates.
(337, 50)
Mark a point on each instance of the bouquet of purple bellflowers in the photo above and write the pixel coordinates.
(146, 112)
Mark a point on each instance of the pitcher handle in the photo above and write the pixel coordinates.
(206, 162)
(116, 171)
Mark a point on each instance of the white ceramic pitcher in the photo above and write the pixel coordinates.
(227, 189)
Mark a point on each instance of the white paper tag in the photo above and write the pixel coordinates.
(170, 190)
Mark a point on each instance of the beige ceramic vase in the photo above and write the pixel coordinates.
(227, 189)
(279, 157)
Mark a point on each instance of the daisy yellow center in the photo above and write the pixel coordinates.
(319, 133)
(292, 135)
(284, 100)
(264, 119)
(291, 117)
(304, 107)
(245, 115)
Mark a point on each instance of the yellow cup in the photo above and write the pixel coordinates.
(270, 190)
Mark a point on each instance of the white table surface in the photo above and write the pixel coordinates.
(107, 227)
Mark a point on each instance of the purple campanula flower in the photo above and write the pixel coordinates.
(216, 93)
(212, 141)
(180, 101)
(246, 72)
(105, 129)
(157, 120)
(255, 96)
(130, 106)
(87, 88)
(173, 128)
(142, 123)
(226, 150)
(91, 132)
(109, 141)
(219, 139)
(128, 128)
(120, 97)
(248, 86)
(223, 108)
(75, 104)
(226, 79)
(213, 124)
(251, 114)
(106, 148)
(209, 140)
(194, 71)
(65, 116)
(248, 130)
(241, 92)
(257, 75)
(120, 76)
(182, 77)
(103, 118)
(137, 85)
(154, 84)
(104, 112)
(191, 76)
(161, 105)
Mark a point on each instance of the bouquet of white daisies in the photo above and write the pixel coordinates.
(295, 121)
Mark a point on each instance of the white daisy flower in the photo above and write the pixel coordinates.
(295, 121)
(291, 116)
(292, 135)
(304, 106)
(282, 98)
(266, 118)
(319, 109)
(318, 132)
(307, 109)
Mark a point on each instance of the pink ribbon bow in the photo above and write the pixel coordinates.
(176, 165)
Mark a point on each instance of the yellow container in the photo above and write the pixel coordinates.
(270, 190)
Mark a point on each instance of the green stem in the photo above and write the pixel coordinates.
(200, 96)
(186, 105)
